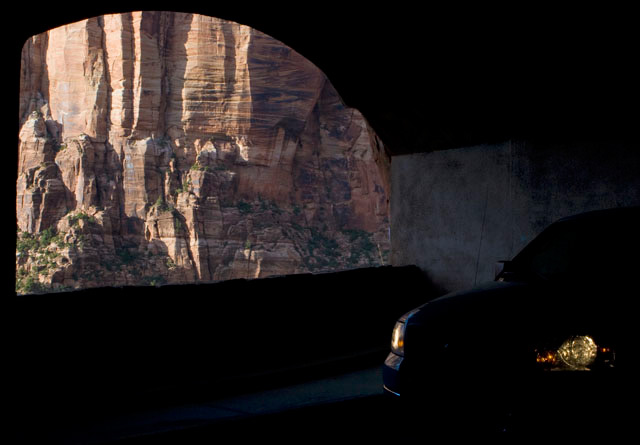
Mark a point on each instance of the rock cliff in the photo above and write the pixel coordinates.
(160, 147)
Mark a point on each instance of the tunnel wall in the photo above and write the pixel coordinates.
(455, 213)
(126, 348)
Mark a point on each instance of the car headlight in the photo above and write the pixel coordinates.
(577, 353)
(397, 338)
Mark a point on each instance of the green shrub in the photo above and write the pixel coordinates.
(73, 219)
(162, 141)
(244, 207)
(163, 206)
(156, 280)
(58, 147)
(361, 245)
(355, 234)
(58, 239)
(198, 167)
(328, 247)
(275, 209)
(27, 243)
(46, 236)
(266, 204)
(184, 187)
(29, 285)
(367, 245)
(82, 240)
(126, 256)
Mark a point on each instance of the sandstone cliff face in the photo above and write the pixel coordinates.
(160, 147)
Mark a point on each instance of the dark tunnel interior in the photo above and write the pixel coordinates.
(426, 79)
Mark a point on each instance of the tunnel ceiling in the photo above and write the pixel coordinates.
(432, 79)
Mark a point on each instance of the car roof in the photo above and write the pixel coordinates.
(596, 224)
(608, 214)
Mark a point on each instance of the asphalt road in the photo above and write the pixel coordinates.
(277, 410)
(348, 406)
(367, 418)
(376, 419)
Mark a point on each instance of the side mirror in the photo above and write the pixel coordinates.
(503, 269)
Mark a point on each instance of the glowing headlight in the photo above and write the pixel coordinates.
(397, 338)
(578, 352)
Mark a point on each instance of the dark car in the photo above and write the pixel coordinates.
(547, 347)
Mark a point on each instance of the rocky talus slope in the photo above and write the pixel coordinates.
(160, 147)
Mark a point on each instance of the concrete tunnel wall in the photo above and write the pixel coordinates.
(455, 213)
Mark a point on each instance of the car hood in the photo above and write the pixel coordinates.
(520, 308)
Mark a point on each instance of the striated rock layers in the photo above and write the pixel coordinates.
(160, 147)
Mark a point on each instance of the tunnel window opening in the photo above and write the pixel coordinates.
(168, 148)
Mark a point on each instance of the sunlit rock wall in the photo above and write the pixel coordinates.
(161, 147)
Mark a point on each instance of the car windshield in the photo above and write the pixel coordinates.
(578, 249)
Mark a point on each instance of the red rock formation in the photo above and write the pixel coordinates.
(160, 147)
